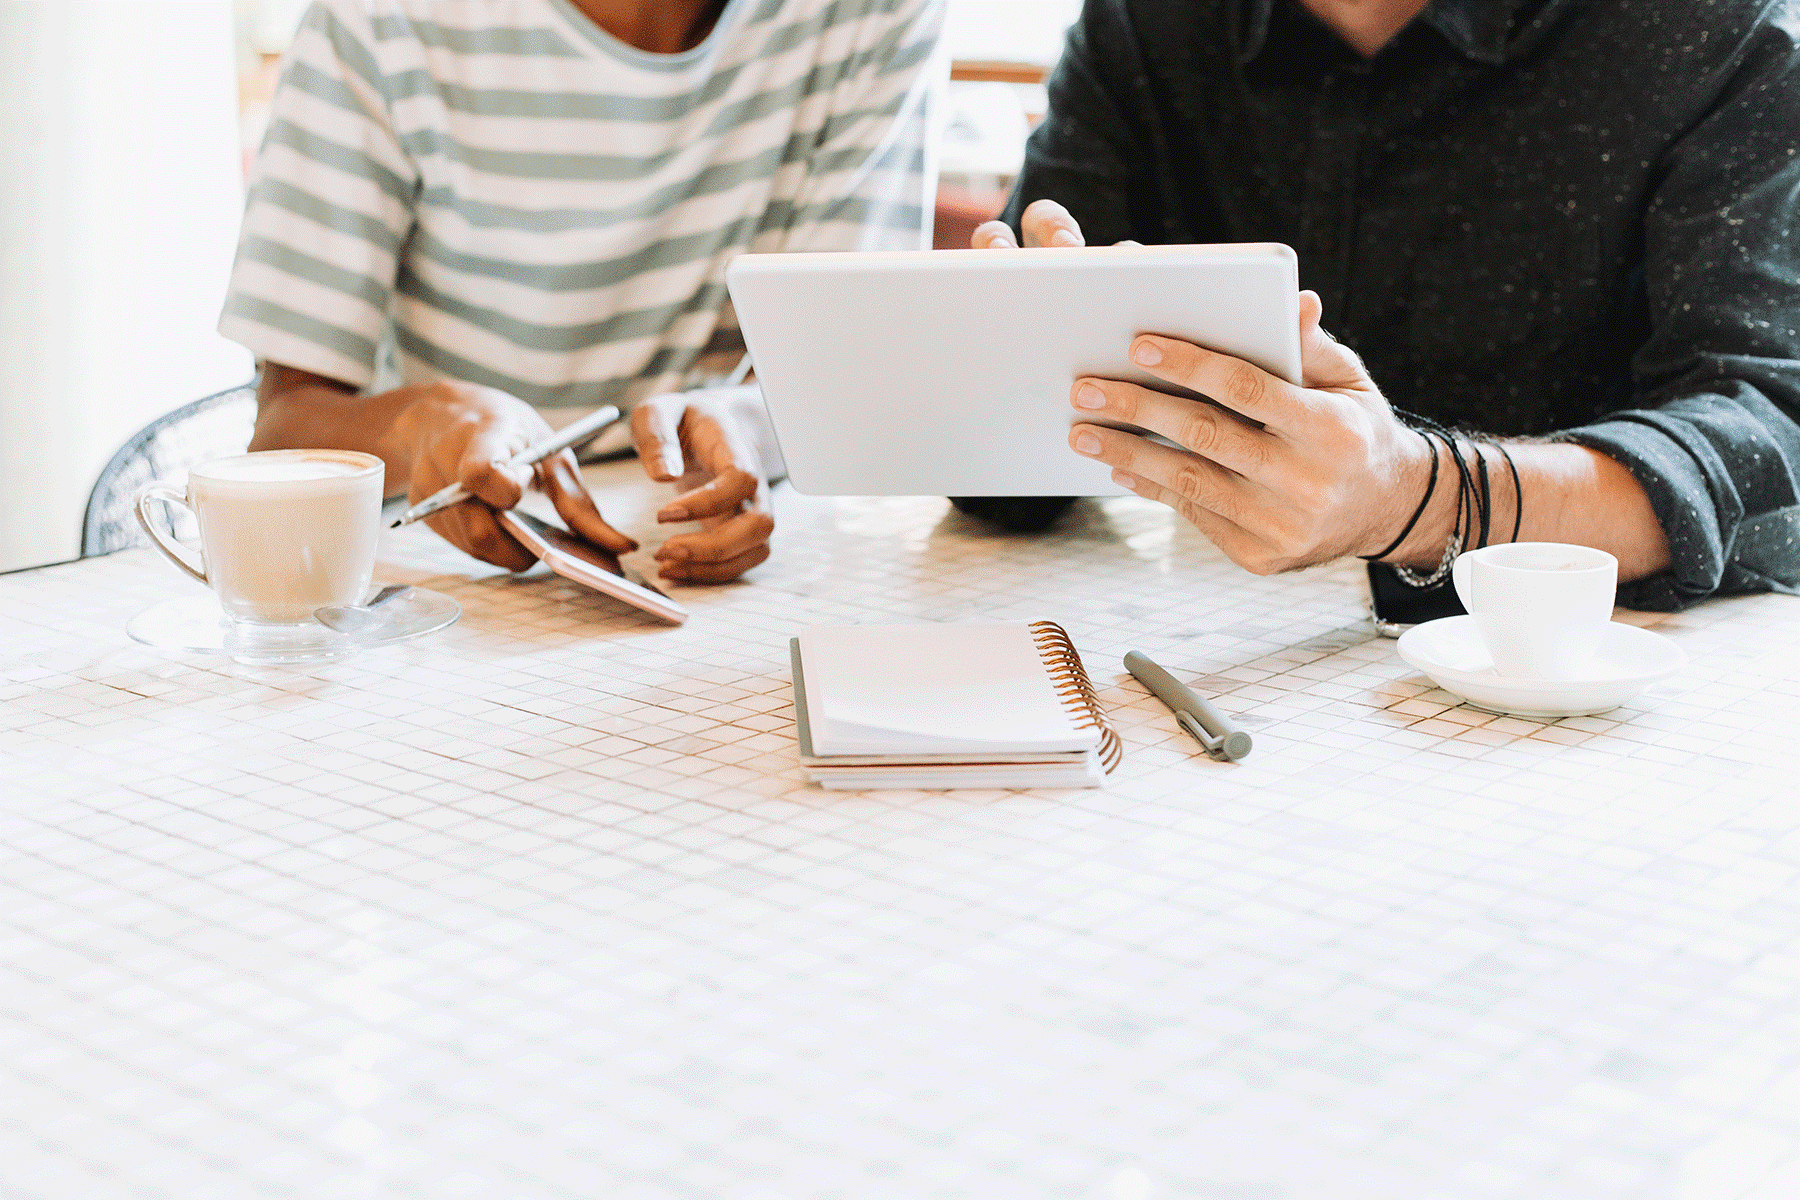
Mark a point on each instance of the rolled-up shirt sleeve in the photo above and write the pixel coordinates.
(1713, 434)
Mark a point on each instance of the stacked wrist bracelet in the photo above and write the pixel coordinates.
(1474, 500)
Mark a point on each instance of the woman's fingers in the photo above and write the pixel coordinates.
(472, 527)
(560, 477)
(482, 466)
(707, 444)
(719, 572)
(656, 430)
(723, 550)
(727, 493)
(733, 477)
(717, 445)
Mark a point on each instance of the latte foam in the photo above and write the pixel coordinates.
(280, 466)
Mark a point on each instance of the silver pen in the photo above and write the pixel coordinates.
(569, 435)
(1210, 727)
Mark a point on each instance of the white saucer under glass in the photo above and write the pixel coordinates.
(1451, 653)
(198, 625)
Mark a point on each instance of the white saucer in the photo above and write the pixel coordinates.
(197, 624)
(1451, 652)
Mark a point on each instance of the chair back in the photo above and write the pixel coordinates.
(210, 427)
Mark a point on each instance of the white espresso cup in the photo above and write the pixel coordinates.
(1541, 607)
(282, 533)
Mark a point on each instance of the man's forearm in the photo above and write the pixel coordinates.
(1566, 493)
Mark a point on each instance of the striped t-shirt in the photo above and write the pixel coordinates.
(500, 192)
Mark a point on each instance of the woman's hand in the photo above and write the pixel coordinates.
(716, 447)
(451, 432)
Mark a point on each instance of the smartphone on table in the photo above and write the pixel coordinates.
(582, 561)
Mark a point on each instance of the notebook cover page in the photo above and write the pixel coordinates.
(933, 689)
(842, 762)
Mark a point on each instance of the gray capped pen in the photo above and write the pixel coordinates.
(1221, 739)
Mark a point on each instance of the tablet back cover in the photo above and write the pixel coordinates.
(948, 372)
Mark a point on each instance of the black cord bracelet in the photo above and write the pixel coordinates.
(1474, 497)
(1464, 527)
(1487, 496)
(1518, 490)
(1430, 488)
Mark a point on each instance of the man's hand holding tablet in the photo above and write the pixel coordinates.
(1277, 475)
(1327, 469)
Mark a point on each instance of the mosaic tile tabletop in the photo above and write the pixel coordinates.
(540, 906)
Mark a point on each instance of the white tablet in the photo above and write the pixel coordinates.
(947, 372)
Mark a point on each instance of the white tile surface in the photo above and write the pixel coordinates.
(539, 906)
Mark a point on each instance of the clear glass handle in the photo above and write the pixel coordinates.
(168, 495)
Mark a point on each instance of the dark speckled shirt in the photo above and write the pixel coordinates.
(1530, 217)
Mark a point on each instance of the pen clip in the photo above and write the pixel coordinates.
(1214, 746)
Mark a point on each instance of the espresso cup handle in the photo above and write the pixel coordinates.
(1461, 575)
(168, 495)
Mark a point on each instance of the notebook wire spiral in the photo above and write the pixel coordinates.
(1075, 689)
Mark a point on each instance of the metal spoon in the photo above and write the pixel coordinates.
(360, 620)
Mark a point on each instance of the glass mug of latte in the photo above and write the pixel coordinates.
(282, 533)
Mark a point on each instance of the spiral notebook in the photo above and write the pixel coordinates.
(943, 706)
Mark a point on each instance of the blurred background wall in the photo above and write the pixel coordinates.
(126, 130)
(120, 192)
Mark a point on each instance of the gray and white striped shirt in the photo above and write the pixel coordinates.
(500, 192)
